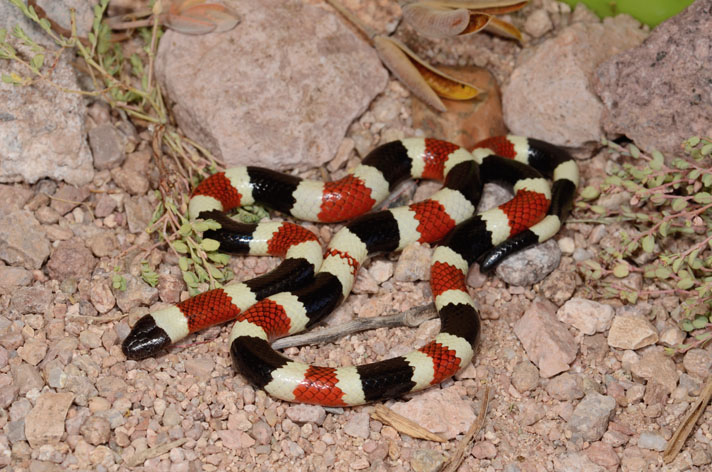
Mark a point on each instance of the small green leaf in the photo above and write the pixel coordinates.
(590, 193)
(218, 258)
(202, 226)
(185, 229)
(662, 273)
(634, 151)
(700, 322)
(209, 244)
(706, 150)
(685, 284)
(679, 204)
(693, 141)
(658, 160)
(621, 270)
(687, 326)
(191, 280)
(703, 198)
(648, 243)
(184, 263)
(180, 247)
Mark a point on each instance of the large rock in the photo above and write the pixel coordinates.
(279, 90)
(42, 131)
(658, 94)
(548, 95)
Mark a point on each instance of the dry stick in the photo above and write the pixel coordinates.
(413, 317)
(683, 431)
(457, 457)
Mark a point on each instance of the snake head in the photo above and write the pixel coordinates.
(146, 339)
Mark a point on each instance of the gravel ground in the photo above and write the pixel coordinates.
(592, 391)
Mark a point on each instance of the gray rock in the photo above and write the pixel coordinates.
(591, 416)
(71, 259)
(427, 460)
(96, 430)
(631, 332)
(525, 376)
(23, 242)
(138, 213)
(13, 197)
(530, 265)
(358, 426)
(306, 414)
(698, 362)
(45, 423)
(565, 63)
(68, 197)
(657, 94)
(565, 387)
(332, 76)
(651, 440)
(587, 316)
(13, 277)
(26, 377)
(137, 293)
(107, 146)
(41, 128)
(575, 462)
(31, 300)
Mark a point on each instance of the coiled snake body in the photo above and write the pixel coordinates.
(304, 288)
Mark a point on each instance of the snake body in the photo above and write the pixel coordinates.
(304, 289)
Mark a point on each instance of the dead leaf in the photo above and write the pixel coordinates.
(424, 80)
(198, 17)
(448, 18)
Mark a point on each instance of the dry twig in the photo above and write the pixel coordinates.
(411, 318)
(683, 431)
(456, 458)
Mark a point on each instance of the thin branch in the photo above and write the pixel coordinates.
(457, 457)
(411, 318)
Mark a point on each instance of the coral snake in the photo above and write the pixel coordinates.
(305, 288)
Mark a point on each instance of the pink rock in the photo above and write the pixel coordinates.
(279, 90)
(571, 115)
(657, 94)
(548, 343)
(442, 411)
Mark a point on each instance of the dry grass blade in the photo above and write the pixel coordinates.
(683, 431)
(457, 457)
(404, 425)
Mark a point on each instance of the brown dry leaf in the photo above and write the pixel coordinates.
(198, 17)
(425, 81)
(447, 18)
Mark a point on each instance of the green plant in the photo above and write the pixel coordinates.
(668, 231)
(650, 12)
(127, 84)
